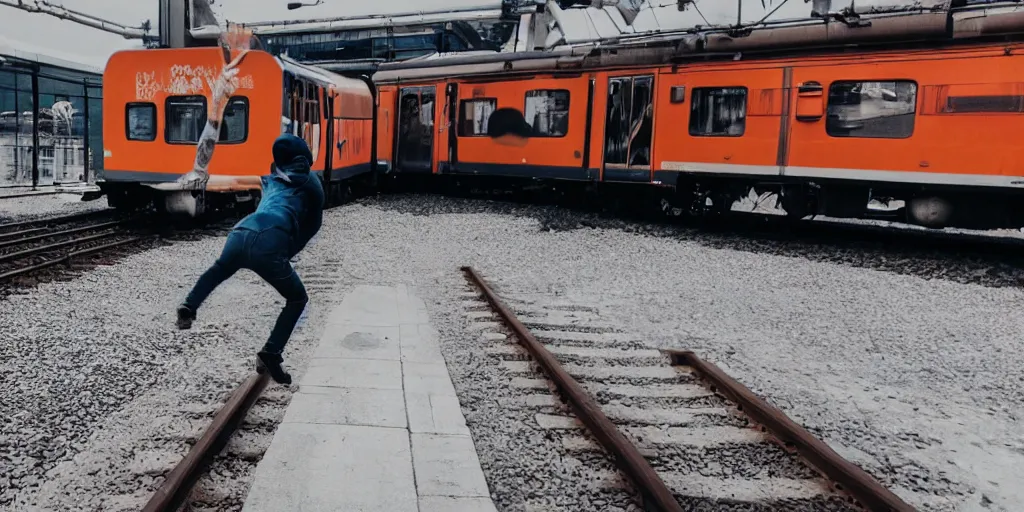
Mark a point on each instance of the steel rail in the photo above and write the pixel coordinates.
(178, 485)
(67, 257)
(863, 487)
(23, 232)
(58, 245)
(51, 220)
(629, 459)
(61, 233)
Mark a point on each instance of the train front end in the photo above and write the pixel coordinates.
(155, 108)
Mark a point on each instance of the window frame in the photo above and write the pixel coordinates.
(167, 118)
(248, 115)
(206, 113)
(568, 109)
(462, 109)
(693, 104)
(915, 113)
(127, 120)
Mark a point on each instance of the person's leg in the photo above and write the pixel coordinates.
(284, 279)
(222, 269)
(268, 258)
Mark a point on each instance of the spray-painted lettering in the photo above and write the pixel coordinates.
(183, 80)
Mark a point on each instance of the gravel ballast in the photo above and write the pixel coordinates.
(18, 209)
(909, 374)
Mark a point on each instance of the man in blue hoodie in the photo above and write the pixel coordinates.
(288, 216)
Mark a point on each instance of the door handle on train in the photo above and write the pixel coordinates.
(341, 144)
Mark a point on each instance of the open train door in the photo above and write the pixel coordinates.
(629, 126)
(447, 142)
(414, 148)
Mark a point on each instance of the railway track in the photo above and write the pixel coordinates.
(38, 249)
(33, 246)
(178, 484)
(686, 435)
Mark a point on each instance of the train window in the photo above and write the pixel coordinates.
(235, 127)
(140, 121)
(871, 109)
(547, 112)
(312, 104)
(186, 119)
(473, 116)
(718, 111)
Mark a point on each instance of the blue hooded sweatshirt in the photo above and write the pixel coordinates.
(293, 198)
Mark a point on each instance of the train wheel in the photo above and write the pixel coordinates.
(795, 202)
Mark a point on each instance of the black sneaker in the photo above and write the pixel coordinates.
(266, 361)
(185, 317)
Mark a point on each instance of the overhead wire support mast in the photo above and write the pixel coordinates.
(61, 12)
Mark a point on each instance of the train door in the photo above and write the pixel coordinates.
(386, 121)
(629, 125)
(332, 135)
(447, 142)
(414, 148)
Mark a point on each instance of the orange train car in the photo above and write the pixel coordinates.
(155, 104)
(927, 126)
(934, 128)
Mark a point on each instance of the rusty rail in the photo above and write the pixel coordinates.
(629, 459)
(67, 258)
(59, 245)
(53, 220)
(854, 480)
(54, 234)
(178, 485)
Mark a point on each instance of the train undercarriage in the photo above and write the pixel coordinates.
(690, 195)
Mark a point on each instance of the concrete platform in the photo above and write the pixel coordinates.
(375, 424)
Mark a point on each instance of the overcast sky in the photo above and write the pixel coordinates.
(67, 39)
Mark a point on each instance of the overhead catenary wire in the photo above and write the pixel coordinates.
(59, 11)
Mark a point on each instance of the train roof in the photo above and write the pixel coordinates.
(935, 26)
(324, 77)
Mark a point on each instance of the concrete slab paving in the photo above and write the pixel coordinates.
(353, 373)
(447, 465)
(456, 504)
(370, 407)
(375, 424)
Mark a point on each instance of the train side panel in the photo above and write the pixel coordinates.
(939, 121)
(720, 122)
(555, 108)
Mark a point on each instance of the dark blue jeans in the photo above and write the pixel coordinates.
(266, 253)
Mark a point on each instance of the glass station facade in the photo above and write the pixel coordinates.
(51, 121)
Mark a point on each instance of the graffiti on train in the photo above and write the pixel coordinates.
(183, 80)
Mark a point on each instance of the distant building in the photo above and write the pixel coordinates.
(356, 49)
(51, 118)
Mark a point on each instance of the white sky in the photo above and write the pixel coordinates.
(66, 39)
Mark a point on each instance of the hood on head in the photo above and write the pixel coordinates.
(292, 154)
